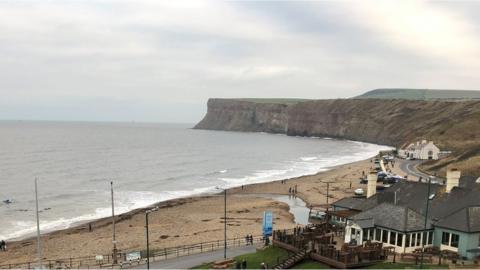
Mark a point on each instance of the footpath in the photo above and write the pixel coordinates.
(190, 261)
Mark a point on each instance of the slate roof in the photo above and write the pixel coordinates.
(349, 202)
(456, 210)
(465, 220)
(396, 217)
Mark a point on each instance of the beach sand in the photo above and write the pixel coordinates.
(191, 220)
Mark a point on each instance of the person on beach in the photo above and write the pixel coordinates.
(3, 245)
(290, 190)
(295, 189)
(247, 240)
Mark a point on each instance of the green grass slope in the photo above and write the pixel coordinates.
(420, 94)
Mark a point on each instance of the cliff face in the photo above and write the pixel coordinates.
(239, 115)
(452, 125)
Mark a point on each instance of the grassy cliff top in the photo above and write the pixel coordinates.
(286, 101)
(420, 94)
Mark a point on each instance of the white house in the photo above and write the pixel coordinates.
(420, 150)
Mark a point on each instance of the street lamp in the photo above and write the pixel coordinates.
(114, 241)
(146, 230)
(429, 198)
(225, 221)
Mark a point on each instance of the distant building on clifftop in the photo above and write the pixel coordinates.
(420, 150)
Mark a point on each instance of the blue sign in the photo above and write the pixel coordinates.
(267, 223)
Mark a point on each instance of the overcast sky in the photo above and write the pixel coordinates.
(161, 60)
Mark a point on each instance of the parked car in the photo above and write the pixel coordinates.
(363, 180)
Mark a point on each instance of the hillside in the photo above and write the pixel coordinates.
(419, 94)
(453, 126)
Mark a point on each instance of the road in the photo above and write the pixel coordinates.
(410, 167)
(190, 261)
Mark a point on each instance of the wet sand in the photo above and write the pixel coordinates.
(192, 220)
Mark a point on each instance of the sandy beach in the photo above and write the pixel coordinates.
(191, 220)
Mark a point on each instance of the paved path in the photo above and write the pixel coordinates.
(190, 261)
(410, 168)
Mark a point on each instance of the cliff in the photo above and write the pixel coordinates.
(453, 126)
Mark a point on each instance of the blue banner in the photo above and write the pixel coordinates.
(267, 225)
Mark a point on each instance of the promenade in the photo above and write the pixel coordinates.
(187, 262)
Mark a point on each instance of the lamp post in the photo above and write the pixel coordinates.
(39, 245)
(114, 241)
(146, 234)
(225, 222)
(429, 197)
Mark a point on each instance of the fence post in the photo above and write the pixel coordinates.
(201, 247)
(165, 250)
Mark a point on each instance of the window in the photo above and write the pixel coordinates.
(378, 233)
(455, 240)
(400, 239)
(430, 238)
(424, 238)
(365, 235)
(419, 239)
(352, 233)
(445, 238)
(385, 236)
(407, 240)
(393, 237)
(414, 239)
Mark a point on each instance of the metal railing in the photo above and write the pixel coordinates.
(155, 255)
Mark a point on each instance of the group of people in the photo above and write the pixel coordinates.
(3, 245)
(241, 265)
(292, 190)
(249, 239)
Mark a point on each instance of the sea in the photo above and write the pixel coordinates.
(75, 162)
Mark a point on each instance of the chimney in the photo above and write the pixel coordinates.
(371, 184)
(453, 177)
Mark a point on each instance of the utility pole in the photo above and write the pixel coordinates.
(225, 227)
(328, 187)
(39, 246)
(114, 254)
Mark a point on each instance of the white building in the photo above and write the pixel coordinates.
(420, 150)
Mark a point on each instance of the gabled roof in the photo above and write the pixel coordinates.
(465, 220)
(463, 199)
(396, 217)
(349, 202)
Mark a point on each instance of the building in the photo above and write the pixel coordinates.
(397, 216)
(420, 150)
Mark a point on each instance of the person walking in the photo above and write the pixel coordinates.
(1, 245)
(247, 240)
(4, 245)
(244, 264)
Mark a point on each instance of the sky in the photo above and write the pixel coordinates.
(160, 61)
